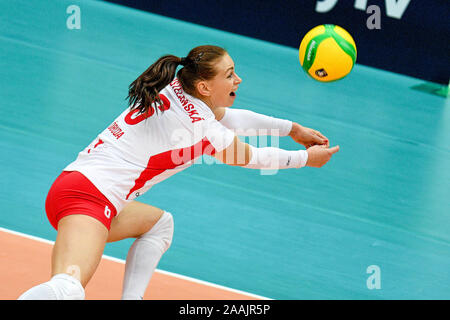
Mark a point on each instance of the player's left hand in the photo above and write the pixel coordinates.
(307, 136)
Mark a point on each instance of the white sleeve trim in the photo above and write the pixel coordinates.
(275, 158)
(249, 123)
(219, 136)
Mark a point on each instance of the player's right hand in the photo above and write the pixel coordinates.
(319, 155)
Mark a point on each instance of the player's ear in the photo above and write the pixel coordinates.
(203, 88)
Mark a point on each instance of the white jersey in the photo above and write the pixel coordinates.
(137, 151)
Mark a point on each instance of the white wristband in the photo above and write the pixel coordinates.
(249, 123)
(275, 158)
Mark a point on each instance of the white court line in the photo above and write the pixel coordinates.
(175, 275)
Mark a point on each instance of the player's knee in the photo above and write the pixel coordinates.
(162, 231)
(167, 227)
(60, 287)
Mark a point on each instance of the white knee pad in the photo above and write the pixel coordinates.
(162, 232)
(60, 287)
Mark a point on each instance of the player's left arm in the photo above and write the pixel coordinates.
(249, 123)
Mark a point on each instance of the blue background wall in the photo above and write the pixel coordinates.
(417, 44)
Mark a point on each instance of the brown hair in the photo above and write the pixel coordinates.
(198, 65)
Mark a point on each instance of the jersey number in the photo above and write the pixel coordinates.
(132, 118)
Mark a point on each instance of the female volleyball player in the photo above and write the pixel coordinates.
(170, 122)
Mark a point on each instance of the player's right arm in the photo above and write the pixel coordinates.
(242, 154)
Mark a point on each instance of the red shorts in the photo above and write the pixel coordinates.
(73, 193)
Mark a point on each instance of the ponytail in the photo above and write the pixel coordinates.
(144, 91)
(199, 64)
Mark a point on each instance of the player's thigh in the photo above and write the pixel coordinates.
(79, 246)
(134, 220)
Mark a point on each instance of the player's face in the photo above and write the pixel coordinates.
(222, 88)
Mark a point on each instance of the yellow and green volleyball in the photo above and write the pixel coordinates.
(327, 53)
